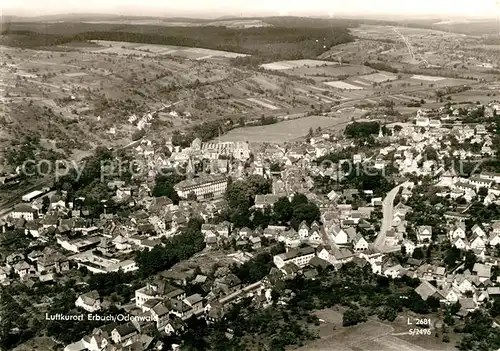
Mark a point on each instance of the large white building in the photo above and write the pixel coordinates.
(213, 150)
(24, 211)
(205, 187)
(300, 257)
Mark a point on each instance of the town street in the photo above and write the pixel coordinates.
(387, 210)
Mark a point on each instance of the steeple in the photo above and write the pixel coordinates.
(190, 168)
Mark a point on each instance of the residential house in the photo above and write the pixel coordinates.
(461, 244)
(90, 301)
(494, 239)
(424, 233)
(426, 290)
(477, 243)
(160, 315)
(122, 333)
(360, 243)
(451, 295)
(303, 230)
(457, 231)
(195, 301)
(340, 237)
(477, 230)
(22, 268)
(482, 271)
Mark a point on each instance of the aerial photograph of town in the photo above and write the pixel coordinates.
(258, 176)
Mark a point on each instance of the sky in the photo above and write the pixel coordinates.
(469, 8)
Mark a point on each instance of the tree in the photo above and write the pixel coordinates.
(353, 317)
(310, 133)
(403, 250)
(283, 210)
(470, 260)
(192, 196)
(418, 253)
(308, 212)
(482, 191)
(164, 186)
(299, 199)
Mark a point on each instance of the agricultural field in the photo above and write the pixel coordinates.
(343, 85)
(151, 50)
(250, 23)
(322, 73)
(427, 78)
(434, 52)
(84, 96)
(379, 77)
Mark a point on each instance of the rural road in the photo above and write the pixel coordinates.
(387, 210)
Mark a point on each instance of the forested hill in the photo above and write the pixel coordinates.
(283, 40)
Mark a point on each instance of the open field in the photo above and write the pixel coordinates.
(249, 23)
(343, 85)
(380, 77)
(263, 103)
(126, 48)
(372, 335)
(321, 73)
(427, 78)
(283, 131)
(285, 65)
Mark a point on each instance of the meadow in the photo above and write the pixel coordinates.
(285, 131)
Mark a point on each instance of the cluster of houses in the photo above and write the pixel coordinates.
(72, 237)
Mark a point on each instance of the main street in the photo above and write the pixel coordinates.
(387, 210)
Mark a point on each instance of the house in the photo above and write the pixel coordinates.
(174, 325)
(340, 237)
(90, 301)
(451, 295)
(180, 308)
(303, 230)
(195, 301)
(160, 315)
(457, 231)
(214, 311)
(123, 333)
(461, 244)
(393, 271)
(464, 283)
(360, 243)
(426, 290)
(316, 236)
(477, 243)
(482, 271)
(263, 201)
(494, 239)
(424, 233)
(477, 230)
(22, 268)
(255, 241)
